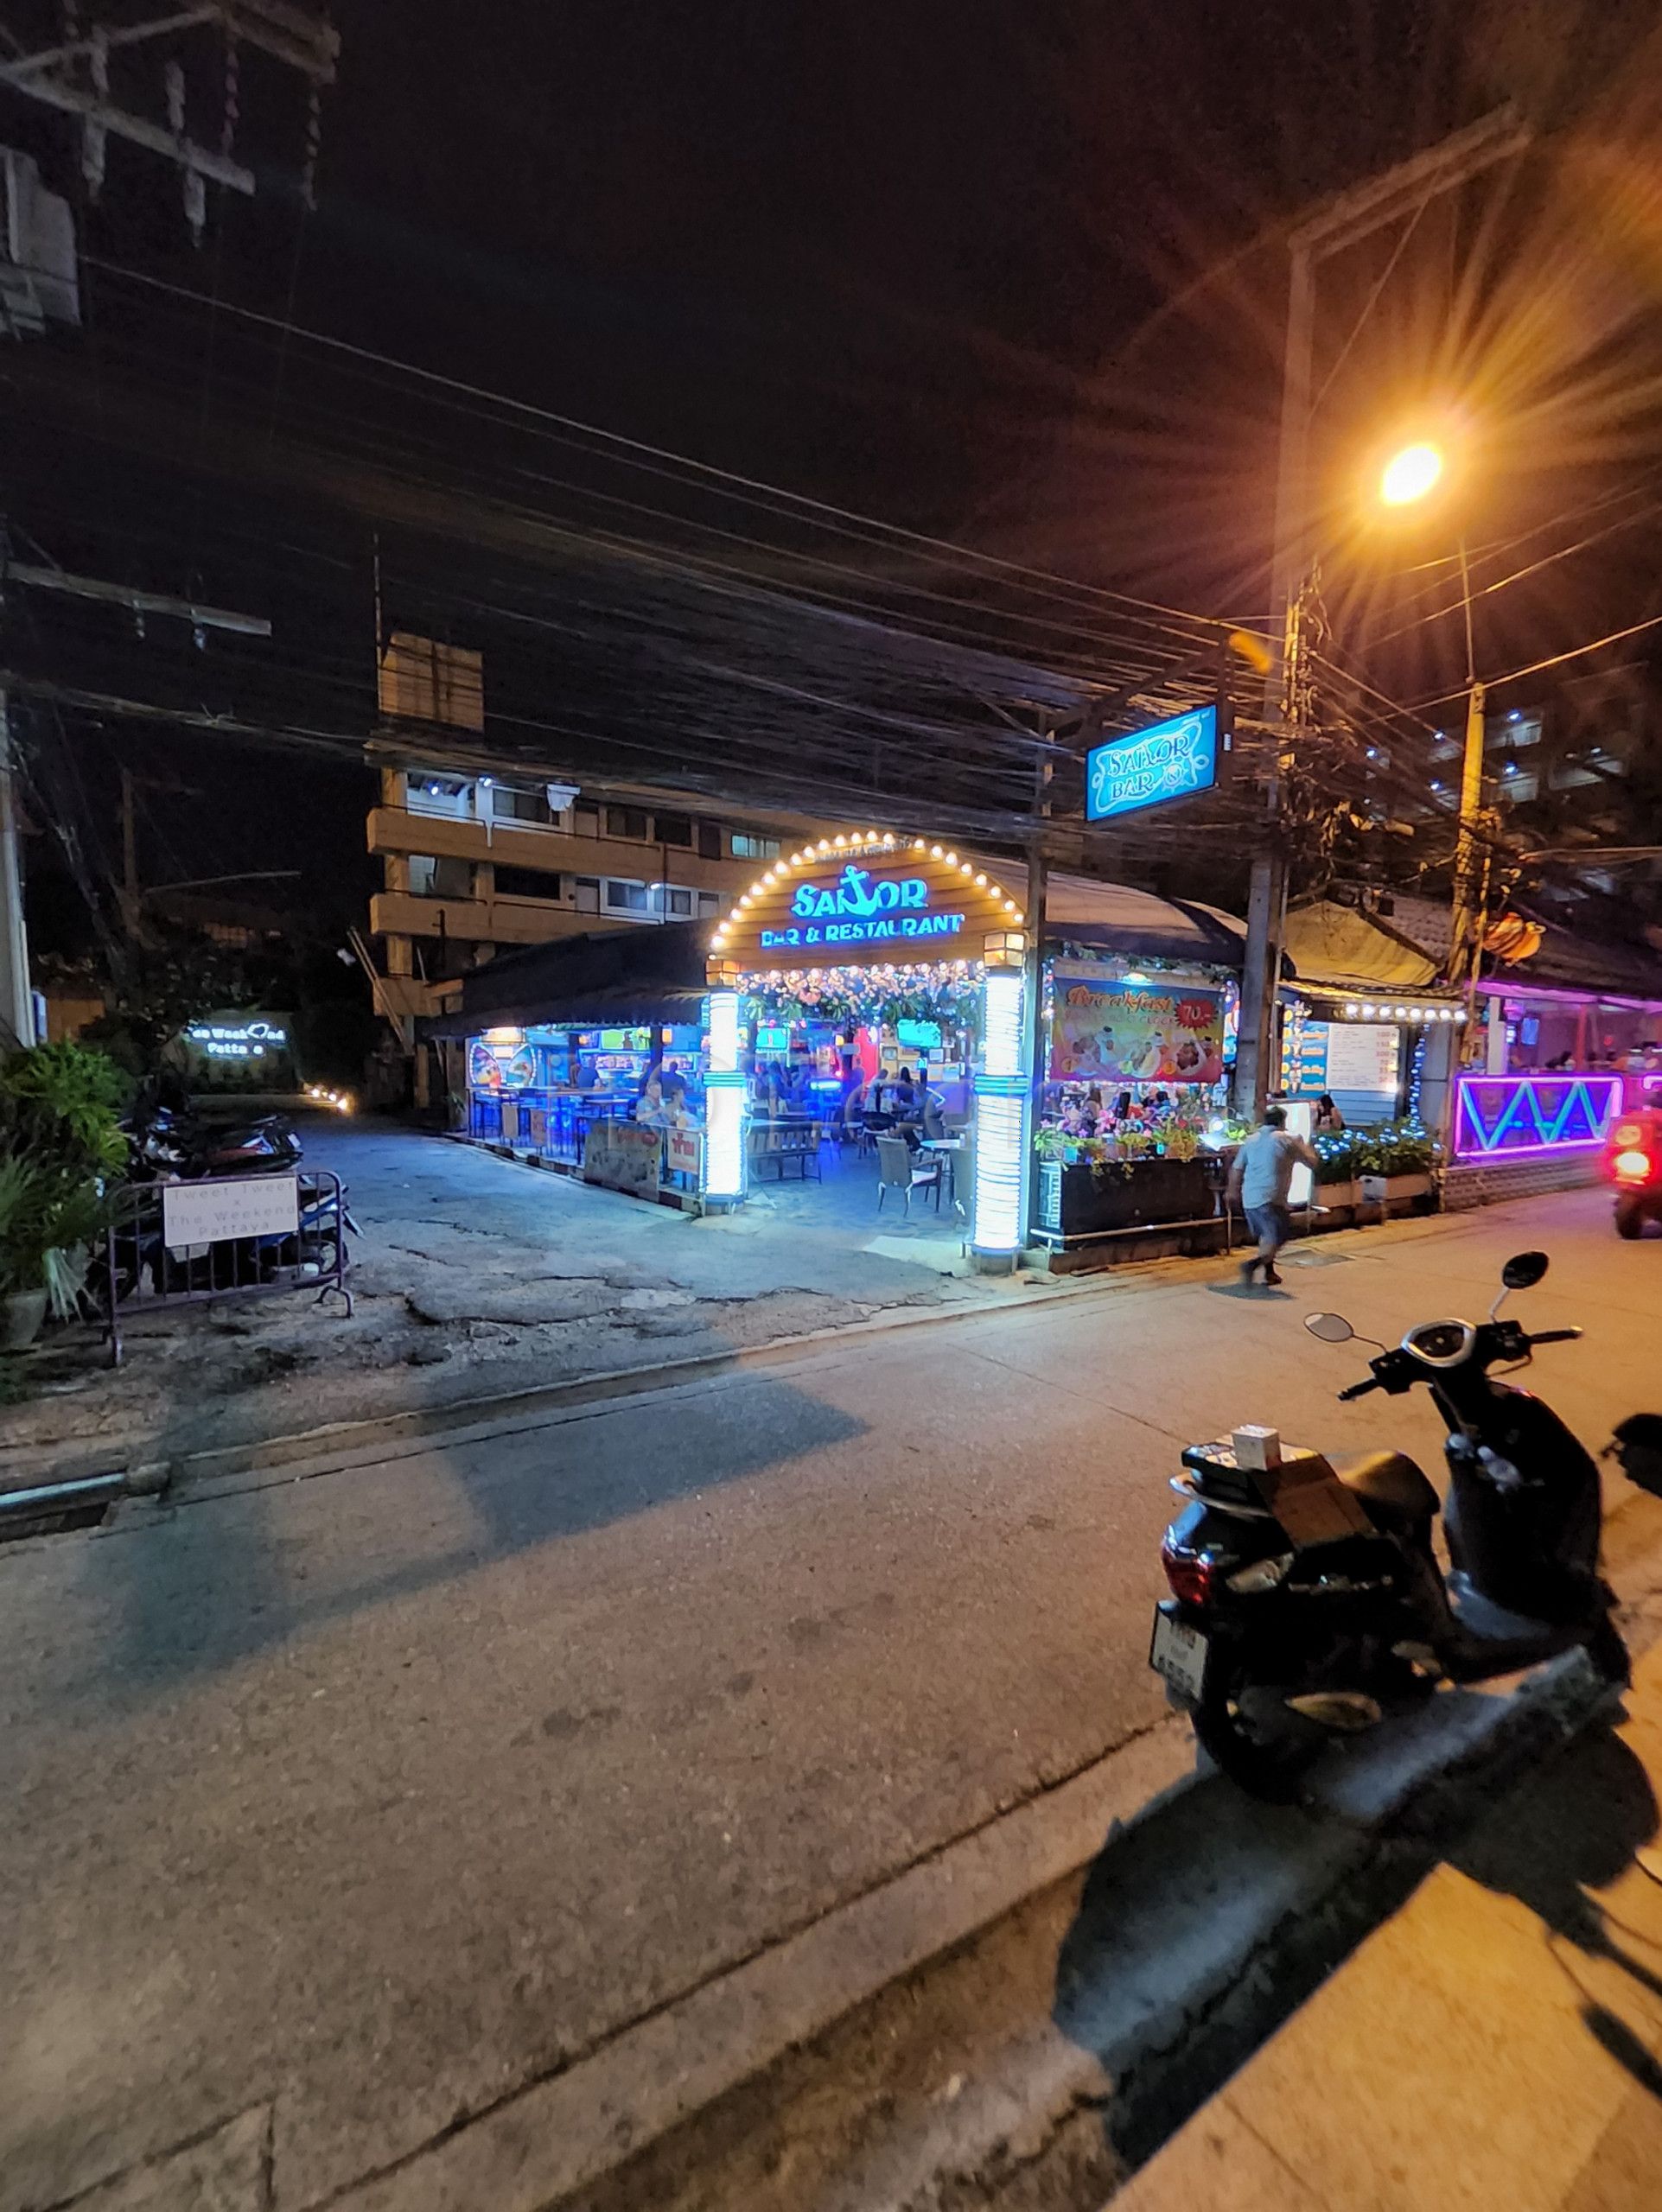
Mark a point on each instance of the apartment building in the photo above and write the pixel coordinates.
(475, 864)
(1574, 755)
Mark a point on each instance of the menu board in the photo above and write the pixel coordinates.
(1363, 1056)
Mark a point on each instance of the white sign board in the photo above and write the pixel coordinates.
(1363, 1056)
(247, 1205)
(1301, 1121)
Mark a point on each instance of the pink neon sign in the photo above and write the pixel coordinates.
(1521, 1116)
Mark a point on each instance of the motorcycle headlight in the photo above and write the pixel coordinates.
(1263, 1574)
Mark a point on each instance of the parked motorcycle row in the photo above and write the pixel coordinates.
(168, 1146)
(1307, 1598)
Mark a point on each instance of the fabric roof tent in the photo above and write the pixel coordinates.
(1115, 918)
(1339, 948)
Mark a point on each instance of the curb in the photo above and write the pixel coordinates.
(431, 1424)
(78, 1457)
(565, 2132)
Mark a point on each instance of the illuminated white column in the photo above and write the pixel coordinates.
(723, 1105)
(1001, 1107)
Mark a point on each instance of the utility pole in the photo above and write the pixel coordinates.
(1395, 195)
(39, 284)
(1471, 870)
(14, 945)
(17, 1002)
(73, 77)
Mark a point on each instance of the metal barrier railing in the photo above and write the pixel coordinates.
(171, 1244)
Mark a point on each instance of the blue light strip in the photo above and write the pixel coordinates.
(1001, 1111)
(724, 1104)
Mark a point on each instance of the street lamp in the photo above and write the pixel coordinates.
(1401, 194)
(1408, 475)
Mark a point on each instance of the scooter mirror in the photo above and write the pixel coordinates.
(1332, 1328)
(1523, 1270)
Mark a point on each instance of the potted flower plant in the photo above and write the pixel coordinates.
(1397, 1163)
(1335, 1174)
(60, 1143)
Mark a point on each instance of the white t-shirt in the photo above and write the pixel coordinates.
(1266, 1162)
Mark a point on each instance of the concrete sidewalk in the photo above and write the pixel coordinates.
(1497, 2043)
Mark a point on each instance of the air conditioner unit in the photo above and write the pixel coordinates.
(40, 280)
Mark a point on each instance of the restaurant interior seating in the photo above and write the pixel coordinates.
(898, 1170)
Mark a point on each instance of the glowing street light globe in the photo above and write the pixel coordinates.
(1410, 474)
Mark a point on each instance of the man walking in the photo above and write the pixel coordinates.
(1259, 1182)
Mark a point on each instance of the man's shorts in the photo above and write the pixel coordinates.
(1271, 1224)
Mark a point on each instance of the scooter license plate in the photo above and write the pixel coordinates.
(1178, 1654)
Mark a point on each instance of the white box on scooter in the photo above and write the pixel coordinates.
(1257, 1450)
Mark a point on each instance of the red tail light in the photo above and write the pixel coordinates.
(1190, 1572)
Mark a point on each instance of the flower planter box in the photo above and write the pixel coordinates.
(1388, 1190)
(1126, 1195)
(1336, 1194)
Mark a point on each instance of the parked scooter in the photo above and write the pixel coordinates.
(313, 1248)
(1307, 1598)
(167, 1145)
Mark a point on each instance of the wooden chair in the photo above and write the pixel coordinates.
(897, 1171)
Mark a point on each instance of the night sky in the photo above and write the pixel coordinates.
(944, 261)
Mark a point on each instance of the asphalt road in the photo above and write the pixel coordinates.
(375, 1794)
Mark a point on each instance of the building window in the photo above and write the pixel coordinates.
(624, 897)
(672, 901)
(526, 882)
(1505, 733)
(449, 797)
(747, 848)
(708, 903)
(440, 878)
(626, 822)
(710, 841)
(511, 805)
(586, 890)
(585, 820)
(674, 829)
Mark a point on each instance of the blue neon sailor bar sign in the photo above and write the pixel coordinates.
(859, 909)
(1173, 759)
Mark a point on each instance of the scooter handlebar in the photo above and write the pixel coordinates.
(1359, 1389)
(1554, 1337)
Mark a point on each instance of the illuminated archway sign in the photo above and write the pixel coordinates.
(875, 899)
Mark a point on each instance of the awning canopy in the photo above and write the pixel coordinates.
(631, 977)
(1339, 949)
(1114, 918)
(645, 973)
(1585, 965)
